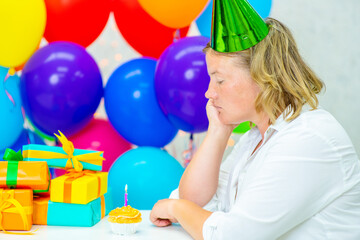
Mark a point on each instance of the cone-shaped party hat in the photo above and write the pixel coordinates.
(236, 26)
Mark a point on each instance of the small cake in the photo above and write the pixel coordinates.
(124, 220)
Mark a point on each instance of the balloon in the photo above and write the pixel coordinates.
(22, 25)
(99, 135)
(150, 173)
(181, 80)
(26, 137)
(175, 13)
(20, 67)
(61, 87)
(242, 128)
(203, 22)
(149, 39)
(11, 120)
(79, 21)
(132, 108)
(262, 7)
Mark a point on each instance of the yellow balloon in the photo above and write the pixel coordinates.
(22, 25)
(174, 13)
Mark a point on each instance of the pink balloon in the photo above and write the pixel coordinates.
(99, 135)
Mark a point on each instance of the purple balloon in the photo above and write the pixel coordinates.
(61, 88)
(181, 80)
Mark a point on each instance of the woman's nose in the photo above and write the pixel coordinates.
(210, 93)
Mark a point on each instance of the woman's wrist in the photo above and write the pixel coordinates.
(220, 132)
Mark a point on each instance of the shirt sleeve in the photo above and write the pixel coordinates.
(298, 177)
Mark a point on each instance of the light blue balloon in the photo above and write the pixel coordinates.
(262, 7)
(203, 22)
(150, 173)
(11, 118)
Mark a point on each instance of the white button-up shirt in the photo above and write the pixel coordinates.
(303, 182)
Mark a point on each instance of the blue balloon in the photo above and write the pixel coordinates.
(132, 107)
(11, 120)
(203, 22)
(26, 137)
(150, 173)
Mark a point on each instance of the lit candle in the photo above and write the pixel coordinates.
(126, 200)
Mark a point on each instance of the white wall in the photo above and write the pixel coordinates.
(328, 36)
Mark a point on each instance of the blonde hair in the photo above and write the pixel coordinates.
(286, 82)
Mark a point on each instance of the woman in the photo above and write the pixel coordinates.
(294, 175)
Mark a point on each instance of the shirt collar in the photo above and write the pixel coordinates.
(280, 122)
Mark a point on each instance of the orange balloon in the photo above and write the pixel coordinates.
(174, 13)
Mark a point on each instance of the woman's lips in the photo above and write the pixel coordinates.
(217, 107)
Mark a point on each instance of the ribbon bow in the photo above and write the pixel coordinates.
(13, 159)
(11, 155)
(74, 161)
(6, 202)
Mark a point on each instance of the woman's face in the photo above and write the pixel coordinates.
(232, 90)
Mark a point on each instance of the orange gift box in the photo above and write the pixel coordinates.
(40, 210)
(16, 208)
(34, 175)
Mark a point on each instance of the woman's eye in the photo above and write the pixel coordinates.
(220, 81)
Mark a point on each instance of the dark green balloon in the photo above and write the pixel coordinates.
(236, 26)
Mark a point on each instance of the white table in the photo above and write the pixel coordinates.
(102, 230)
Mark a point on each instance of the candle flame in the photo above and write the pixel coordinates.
(126, 188)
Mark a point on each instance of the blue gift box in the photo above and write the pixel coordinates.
(56, 156)
(69, 214)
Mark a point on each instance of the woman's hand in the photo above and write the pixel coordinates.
(188, 214)
(214, 122)
(161, 214)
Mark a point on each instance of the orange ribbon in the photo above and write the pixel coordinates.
(6, 202)
(72, 175)
(102, 206)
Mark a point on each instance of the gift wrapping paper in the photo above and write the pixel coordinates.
(47, 212)
(80, 188)
(21, 174)
(16, 209)
(56, 156)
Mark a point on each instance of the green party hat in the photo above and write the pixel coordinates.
(236, 26)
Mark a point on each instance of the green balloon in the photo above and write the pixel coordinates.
(242, 128)
(236, 26)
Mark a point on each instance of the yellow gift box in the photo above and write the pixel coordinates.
(78, 187)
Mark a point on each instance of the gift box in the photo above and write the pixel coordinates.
(47, 212)
(64, 157)
(78, 187)
(16, 208)
(56, 156)
(15, 173)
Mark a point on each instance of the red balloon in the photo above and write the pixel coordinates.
(147, 36)
(79, 21)
(99, 135)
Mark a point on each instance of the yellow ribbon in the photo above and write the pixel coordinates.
(6, 201)
(68, 147)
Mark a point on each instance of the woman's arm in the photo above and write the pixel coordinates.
(188, 214)
(200, 179)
